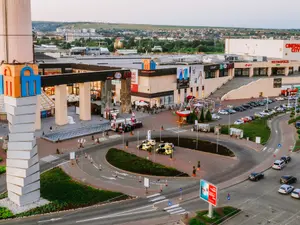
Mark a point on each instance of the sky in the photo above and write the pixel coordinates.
(228, 13)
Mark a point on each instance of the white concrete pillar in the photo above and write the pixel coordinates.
(269, 71)
(117, 94)
(15, 20)
(85, 101)
(38, 119)
(61, 108)
(217, 73)
(251, 72)
(286, 71)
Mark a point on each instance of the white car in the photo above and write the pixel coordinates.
(215, 117)
(296, 193)
(265, 113)
(279, 99)
(280, 109)
(278, 165)
(249, 118)
(150, 142)
(258, 115)
(285, 189)
(223, 112)
(238, 122)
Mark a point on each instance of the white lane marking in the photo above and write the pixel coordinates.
(109, 178)
(154, 195)
(179, 211)
(95, 166)
(129, 212)
(175, 209)
(155, 203)
(183, 213)
(123, 178)
(276, 150)
(270, 149)
(157, 199)
(123, 174)
(49, 158)
(51, 220)
(172, 206)
(264, 149)
(276, 131)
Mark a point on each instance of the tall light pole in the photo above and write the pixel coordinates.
(296, 104)
(218, 142)
(267, 102)
(138, 140)
(123, 140)
(197, 130)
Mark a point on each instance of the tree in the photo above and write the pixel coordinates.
(202, 115)
(208, 116)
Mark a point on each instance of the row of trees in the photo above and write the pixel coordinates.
(143, 45)
(204, 117)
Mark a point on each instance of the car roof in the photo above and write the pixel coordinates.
(254, 173)
(286, 176)
(278, 161)
(297, 190)
(285, 186)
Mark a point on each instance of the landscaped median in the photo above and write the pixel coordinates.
(219, 216)
(63, 194)
(135, 164)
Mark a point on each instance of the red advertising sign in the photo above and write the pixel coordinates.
(208, 192)
(248, 65)
(293, 47)
(134, 88)
(280, 61)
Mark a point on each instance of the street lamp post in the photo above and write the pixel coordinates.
(267, 102)
(123, 140)
(138, 140)
(197, 130)
(218, 142)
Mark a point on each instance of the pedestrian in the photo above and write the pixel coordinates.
(100, 167)
(50, 128)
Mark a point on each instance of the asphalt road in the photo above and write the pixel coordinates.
(142, 208)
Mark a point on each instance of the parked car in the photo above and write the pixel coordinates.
(150, 142)
(243, 108)
(279, 99)
(278, 165)
(250, 118)
(245, 119)
(285, 189)
(166, 144)
(258, 115)
(238, 122)
(247, 106)
(286, 159)
(223, 112)
(287, 179)
(256, 176)
(145, 147)
(296, 193)
(297, 124)
(215, 116)
(164, 149)
(231, 111)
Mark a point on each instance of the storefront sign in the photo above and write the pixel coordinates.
(134, 77)
(226, 66)
(118, 75)
(280, 61)
(183, 77)
(127, 74)
(211, 67)
(293, 47)
(277, 82)
(134, 88)
(248, 65)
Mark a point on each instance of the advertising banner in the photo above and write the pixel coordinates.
(196, 75)
(208, 192)
(134, 77)
(183, 77)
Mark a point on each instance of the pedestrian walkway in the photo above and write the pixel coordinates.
(171, 209)
(176, 130)
(49, 158)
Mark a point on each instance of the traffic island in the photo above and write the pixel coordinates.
(199, 145)
(219, 215)
(132, 163)
(63, 193)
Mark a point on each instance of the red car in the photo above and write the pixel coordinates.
(245, 119)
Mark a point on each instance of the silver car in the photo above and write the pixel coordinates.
(296, 193)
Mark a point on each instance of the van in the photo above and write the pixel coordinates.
(278, 164)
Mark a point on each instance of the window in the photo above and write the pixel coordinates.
(223, 73)
(210, 74)
(185, 91)
(197, 88)
(246, 72)
(191, 89)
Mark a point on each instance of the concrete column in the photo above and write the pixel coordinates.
(118, 90)
(108, 88)
(126, 95)
(286, 71)
(61, 108)
(103, 97)
(251, 72)
(269, 71)
(217, 73)
(38, 120)
(232, 72)
(85, 101)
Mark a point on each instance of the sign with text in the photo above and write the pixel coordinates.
(146, 182)
(293, 47)
(208, 192)
(134, 77)
(280, 61)
(183, 77)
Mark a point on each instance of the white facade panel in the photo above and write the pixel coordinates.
(20, 181)
(21, 146)
(17, 102)
(291, 50)
(24, 199)
(22, 172)
(21, 110)
(21, 119)
(23, 190)
(21, 137)
(21, 128)
(24, 164)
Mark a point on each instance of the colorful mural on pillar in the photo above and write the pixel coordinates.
(21, 85)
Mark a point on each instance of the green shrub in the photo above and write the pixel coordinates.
(208, 116)
(1, 159)
(135, 164)
(2, 169)
(294, 120)
(5, 213)
(298, 131)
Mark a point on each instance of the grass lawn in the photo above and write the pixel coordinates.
(297, 146)
(64, 193)
(219, 215)
(256, 128)
(135, 164)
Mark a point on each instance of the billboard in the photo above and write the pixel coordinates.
(183, 77)
(134, 76)
(196, 75)
(208, 192)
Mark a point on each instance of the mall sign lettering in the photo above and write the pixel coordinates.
(280, 61)
(293, 47)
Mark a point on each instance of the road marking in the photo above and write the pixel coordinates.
(157, 199)
(276, 150)
(49, 158)
(154, 195)
(109, 178)
(155, 203)
(276, 131)
(174, 209)
(51, 220)
(178, 211)
(123, 174)
(264, 149)
(172, 206)
(270, 149)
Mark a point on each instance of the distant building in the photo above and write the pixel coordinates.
(89, 51)
(126, 52)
